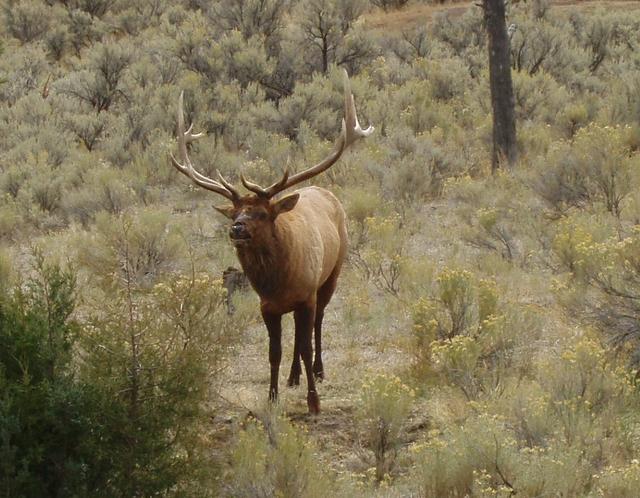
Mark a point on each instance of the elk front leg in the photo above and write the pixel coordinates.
(274, 327)
(304, 319)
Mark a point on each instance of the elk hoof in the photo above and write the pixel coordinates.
(273, 396)
(313, 402)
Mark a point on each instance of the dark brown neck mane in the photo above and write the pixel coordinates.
(264, 266)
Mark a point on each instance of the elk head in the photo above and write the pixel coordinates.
(253, 215)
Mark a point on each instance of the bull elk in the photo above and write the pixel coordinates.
(291, 247)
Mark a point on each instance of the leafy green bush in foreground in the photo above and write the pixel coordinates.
(49, 432)
(111, 407)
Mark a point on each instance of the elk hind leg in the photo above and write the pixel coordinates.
(323, 297)
(296, 370)
(304, 320)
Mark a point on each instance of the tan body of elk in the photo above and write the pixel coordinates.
(291, 248)
(289, 260)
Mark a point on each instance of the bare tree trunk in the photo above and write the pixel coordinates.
(502, 99)
(325, 55)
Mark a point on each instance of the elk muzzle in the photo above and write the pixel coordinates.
(239, 233)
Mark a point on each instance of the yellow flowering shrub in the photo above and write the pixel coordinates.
(584, 385)
(608, 267)
(618, 482)
(383, 232)
(385, 404)
(571, 246)
(457, 359)
(272, 457)
(426, 325)
(449, 463)
(487, 300)
(440, 468)
(484, 457)
(462, 333)
(456, 295)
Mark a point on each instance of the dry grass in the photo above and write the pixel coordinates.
(411, 16)
(423, 13)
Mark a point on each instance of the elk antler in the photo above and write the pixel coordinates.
(221, 187)
(351, 131)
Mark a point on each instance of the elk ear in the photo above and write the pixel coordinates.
(225, 210)
(285, 204)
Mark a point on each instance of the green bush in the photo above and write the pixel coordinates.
(104, 190)
(618, 481)
(539, 46)
(154, 354)
(459, 34)
(597, 167)
(10, 219)
(607, 268)
(123, 419)
(98, 82)
(483, 458)
(48, 428)
(140, 248)
(23, 71)
(380, 257)
(26, 21)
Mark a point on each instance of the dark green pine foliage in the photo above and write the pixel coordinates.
(47, 431)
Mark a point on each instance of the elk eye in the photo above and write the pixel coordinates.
(261, 215)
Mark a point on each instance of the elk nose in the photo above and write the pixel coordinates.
(238, 229)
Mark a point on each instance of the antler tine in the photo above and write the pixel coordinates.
(277, 187)
(190, 137)
(197, 177)
(351, 127)
(186, 167)
(254, 187)
(269, 191)
(351, 131)
(226, 184)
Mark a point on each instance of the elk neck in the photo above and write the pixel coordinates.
(265, 263)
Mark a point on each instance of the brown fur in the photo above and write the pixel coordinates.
(305, 246)
(292, 260)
